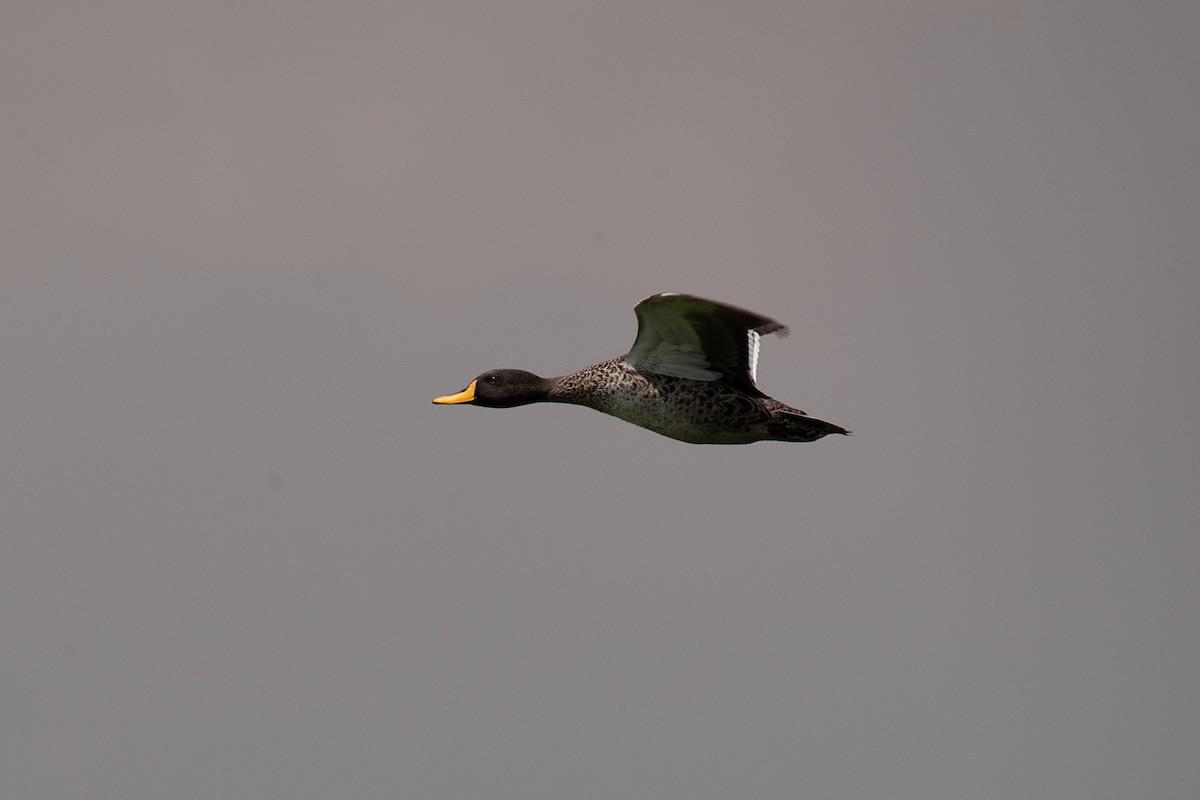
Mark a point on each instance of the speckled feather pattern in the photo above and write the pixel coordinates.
(700, 412)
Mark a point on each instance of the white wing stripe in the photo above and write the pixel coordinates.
(752, 344)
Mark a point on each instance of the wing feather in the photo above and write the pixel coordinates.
(689, 337)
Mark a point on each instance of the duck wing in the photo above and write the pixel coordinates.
(690, 337)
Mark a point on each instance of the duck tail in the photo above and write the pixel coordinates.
(798, 428)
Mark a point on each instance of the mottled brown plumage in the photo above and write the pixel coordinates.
(690, 376)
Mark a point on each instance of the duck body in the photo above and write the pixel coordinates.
(690, 376)
(694, 411)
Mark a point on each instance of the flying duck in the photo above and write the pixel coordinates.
(690, 376)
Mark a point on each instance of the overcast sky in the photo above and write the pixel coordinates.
(242, 245)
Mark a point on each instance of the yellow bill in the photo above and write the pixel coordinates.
(467, 395)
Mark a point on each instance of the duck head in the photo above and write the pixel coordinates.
(501, 388)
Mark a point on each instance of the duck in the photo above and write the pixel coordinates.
(691, 375)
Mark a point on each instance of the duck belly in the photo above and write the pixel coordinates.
(699, 412)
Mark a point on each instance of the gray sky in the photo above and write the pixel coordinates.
(243, 245)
